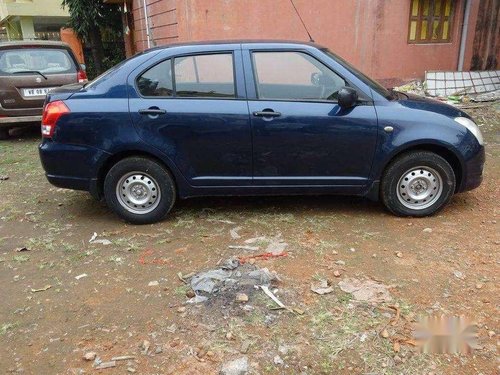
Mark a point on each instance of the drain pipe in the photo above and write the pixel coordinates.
(463, 39)
(146, 20)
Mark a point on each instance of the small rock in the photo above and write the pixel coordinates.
(158, 350)
(104, 365)
(335, 252)
(145, 346)
(201, 353)
(396, 347)
(229, 336)
(181, 309)
(459, 274)
(352, 250)
(397, 359)
(336, 273)
(384, 334)
(340, 263)
(399, 254)
(491, 334)
(374, 255)
(238, 366)
(4, 177)
(131, 370)
(277, 360)
(245, 346)
(210, 354)
(89, 356)
(153, 283)
(190, 293)
(479, 285)
(427, 230)
(241, 297)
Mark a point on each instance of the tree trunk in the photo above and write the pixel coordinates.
(97, 49)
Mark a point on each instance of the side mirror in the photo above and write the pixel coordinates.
(347, 97)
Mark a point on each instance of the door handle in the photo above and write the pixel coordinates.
(152, 111)
(267, 114)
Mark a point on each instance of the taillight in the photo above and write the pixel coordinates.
(81, 76)
(51, 113)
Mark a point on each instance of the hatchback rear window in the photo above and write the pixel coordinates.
(43, 60)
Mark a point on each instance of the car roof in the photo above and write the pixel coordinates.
(34, 43)
(237, 41)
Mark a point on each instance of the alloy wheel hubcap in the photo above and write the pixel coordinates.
(138, 192)
(419, 188)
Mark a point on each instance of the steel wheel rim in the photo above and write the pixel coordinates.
(419, 188)
(138, 193)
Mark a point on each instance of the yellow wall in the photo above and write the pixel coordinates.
(38, 8)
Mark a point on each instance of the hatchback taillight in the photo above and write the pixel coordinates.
(81, 76)
(51, 113)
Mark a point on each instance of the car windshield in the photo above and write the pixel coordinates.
(42, 60)
(374, 85)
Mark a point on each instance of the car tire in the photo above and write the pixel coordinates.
(4, 134)
(140, 190)
(418, 183)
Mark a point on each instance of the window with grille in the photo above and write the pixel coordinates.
(430, 21)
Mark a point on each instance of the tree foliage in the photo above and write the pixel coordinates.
(86, 15)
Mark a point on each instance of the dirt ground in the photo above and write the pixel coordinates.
(132, 302)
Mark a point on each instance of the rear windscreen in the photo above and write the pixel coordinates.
(43, 60)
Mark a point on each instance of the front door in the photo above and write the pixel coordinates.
(301, 136)
(191, 108)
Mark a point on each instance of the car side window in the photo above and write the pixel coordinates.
(290, 75)
(157, 81)
(205, 76)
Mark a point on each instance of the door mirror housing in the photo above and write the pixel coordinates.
(347, 97)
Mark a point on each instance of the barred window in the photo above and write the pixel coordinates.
(430, 21)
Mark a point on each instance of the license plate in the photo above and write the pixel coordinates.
(41, 91)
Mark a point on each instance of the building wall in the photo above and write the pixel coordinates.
(371, 34)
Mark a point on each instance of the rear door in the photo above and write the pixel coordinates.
(192, 107)
(301, 136)
(26, 75)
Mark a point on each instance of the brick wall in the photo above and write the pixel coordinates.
(162, 23)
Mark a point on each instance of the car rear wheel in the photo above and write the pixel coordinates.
(418, 183)
(4, 133)
(140, 190)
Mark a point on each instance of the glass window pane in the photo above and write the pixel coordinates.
(426, 8)
(435, 27)
(414, 8)
(437, 7)
(447, 10)
(423, 31)
(156, 81)
(205, 76)
(294, 76)
(445, 29)
(413, 30)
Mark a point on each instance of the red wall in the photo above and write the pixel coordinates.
(371, 34)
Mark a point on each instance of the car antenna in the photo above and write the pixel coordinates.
(303, 24)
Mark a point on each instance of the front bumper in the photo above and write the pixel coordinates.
(17, 120)
(473, 175)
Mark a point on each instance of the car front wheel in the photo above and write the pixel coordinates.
(140, 190)
(418, 183)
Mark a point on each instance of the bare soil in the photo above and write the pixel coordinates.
(49, 319)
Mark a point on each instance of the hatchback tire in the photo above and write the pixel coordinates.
(140, 190)
(418, 183)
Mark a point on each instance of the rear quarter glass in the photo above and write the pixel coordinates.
(48, 61)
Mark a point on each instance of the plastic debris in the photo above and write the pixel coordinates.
(94, 240)
(81, 276)
(46, 287)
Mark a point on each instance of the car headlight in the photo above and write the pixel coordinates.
(473, 128)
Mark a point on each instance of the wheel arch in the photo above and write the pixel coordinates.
(450, 156)
(98, 190)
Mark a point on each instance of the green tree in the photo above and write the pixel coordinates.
(87, 18)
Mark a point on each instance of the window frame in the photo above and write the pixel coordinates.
(255, 77)
(430, 18)
(174, 88)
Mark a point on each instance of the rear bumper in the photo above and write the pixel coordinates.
(473, 171)
(71, 166)
(18, 120)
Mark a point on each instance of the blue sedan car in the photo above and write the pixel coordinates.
(253, 118)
